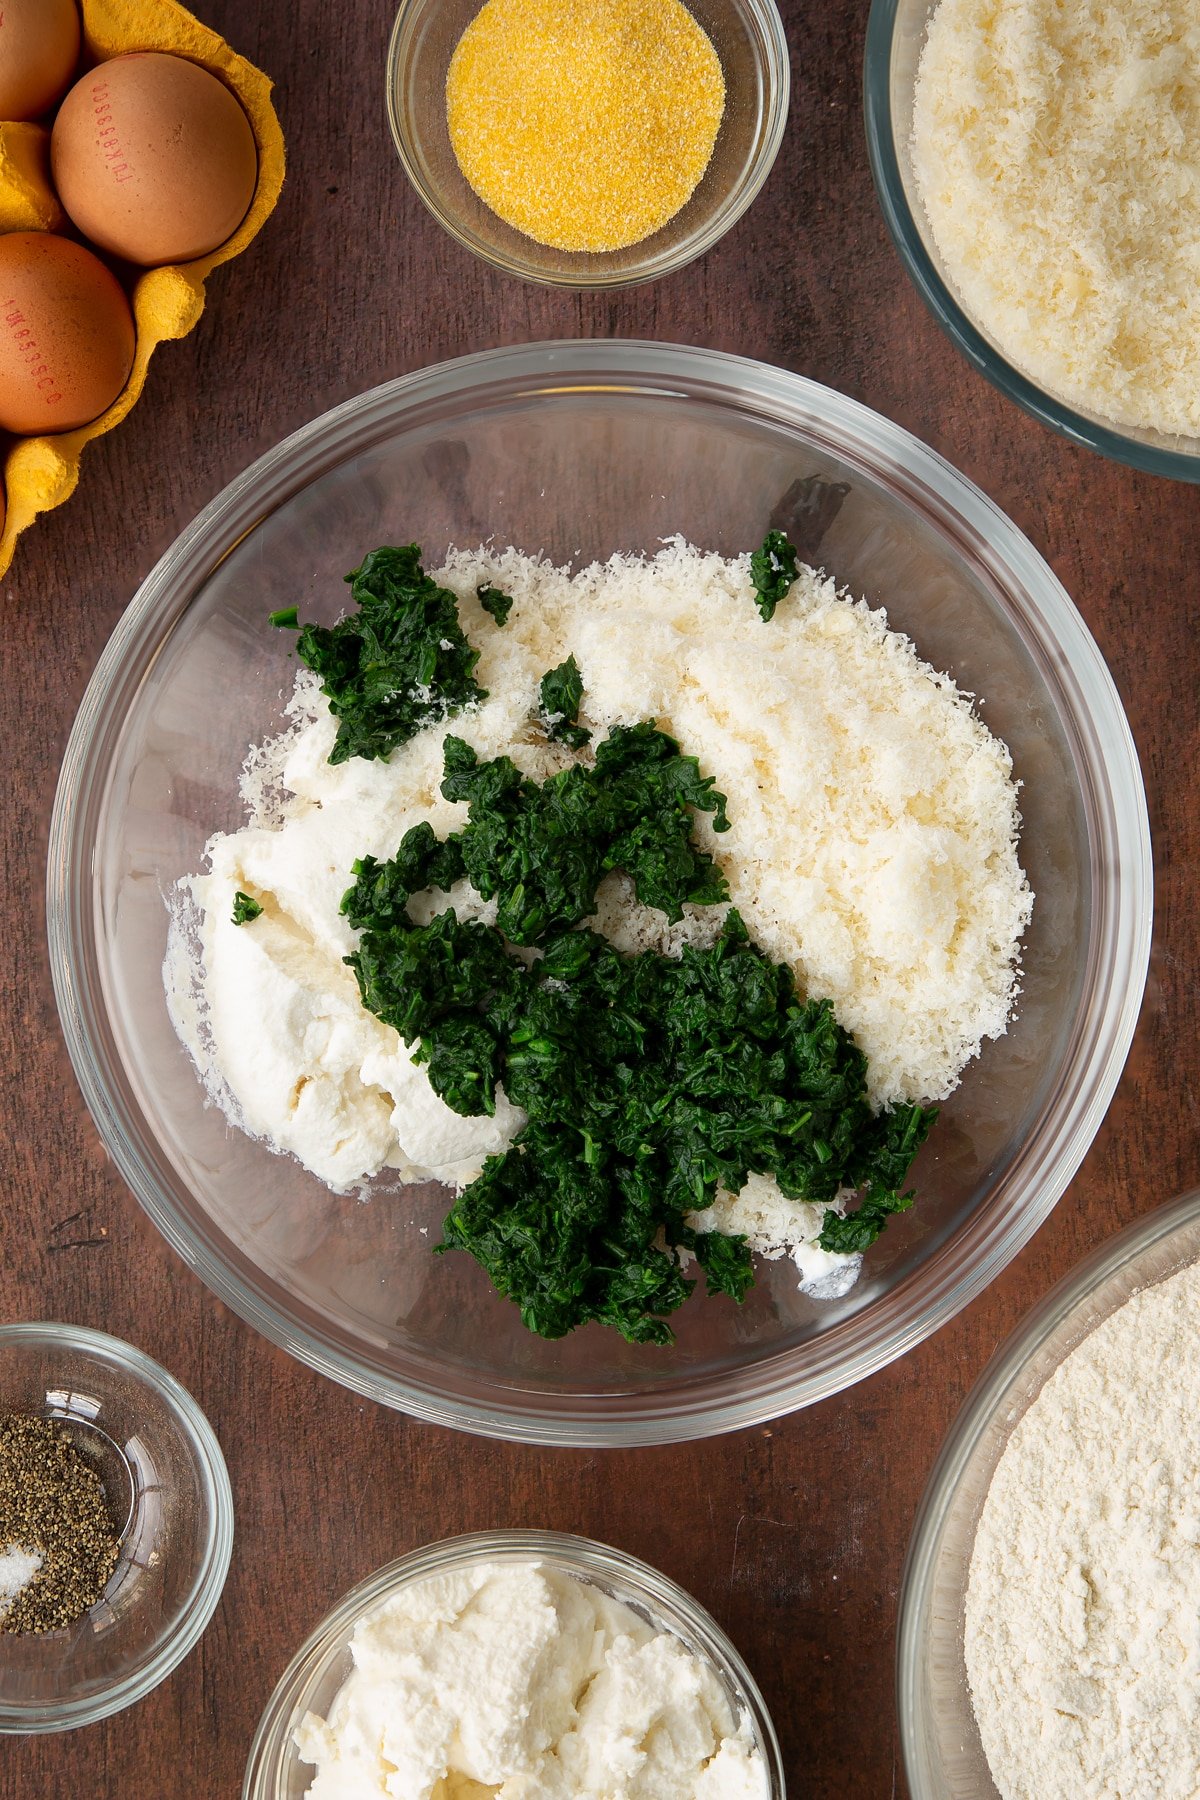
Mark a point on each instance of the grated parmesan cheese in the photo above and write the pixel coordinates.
(1056, 146)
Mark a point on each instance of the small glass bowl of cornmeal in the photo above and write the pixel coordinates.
(587, 143)
(114, 1421)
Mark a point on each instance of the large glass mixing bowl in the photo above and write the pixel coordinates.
(579, 450)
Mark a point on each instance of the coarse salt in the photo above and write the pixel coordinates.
(18, 1566)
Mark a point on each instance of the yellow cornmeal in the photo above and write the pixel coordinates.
(586, 124)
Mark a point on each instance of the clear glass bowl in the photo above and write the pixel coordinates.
(749, 38)
(166, 1482)
(275, 1770)
(943, 1756)
(582, 449)
(895, 37)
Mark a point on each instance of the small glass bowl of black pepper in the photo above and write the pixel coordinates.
(114, 1479)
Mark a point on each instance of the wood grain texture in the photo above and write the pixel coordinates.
(795, 1535)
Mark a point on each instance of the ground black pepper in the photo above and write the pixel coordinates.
(52, 1501)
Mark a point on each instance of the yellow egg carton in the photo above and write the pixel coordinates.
(40, 473)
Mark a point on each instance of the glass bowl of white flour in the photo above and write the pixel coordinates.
(580, 453)
(516, 1661)
(1046, 1640)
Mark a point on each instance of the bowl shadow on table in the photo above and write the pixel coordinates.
(220, 680)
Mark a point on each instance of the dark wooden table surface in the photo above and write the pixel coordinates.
(799, 1545)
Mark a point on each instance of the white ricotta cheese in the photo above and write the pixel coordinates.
(519, 1681)
(872, 846)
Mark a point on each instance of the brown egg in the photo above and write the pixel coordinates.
(39, 47)
(66, 334)
(153, 158)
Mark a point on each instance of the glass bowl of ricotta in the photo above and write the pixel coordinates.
(751, 45)
(549, 1657)
(581, 451)
(1007, 167)
(168, 1496)
(1053, 1567)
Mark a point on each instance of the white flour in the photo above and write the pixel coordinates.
(1083, 1605)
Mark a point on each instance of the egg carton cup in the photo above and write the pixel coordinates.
(40, 473)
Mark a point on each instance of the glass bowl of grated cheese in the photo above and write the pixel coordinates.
(1078, 1511)
(583, 451)
(582, 186)
(1030, 167)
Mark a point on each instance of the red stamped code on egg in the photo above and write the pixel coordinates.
(20, 335)
(106, 133)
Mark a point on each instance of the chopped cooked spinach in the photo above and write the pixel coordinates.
(401, 661)
(245, 908)
(561, 692)
(495, 601)
(773, 569)
(648, 1081)
(543, 849)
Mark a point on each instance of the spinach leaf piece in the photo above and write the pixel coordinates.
(553, 1235)
(560, 693)
(245, 908)
(883, 1161)
(400, 662)
(773, 569)
(543, 849)
(495, 601)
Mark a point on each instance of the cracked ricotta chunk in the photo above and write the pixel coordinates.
(518, 1680)
(872, 846)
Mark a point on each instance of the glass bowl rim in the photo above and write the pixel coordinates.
(1003, 1372)
(1121, 877)
(775, 69)
(197, 1609)
(587, 1558)
(1107, 440)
